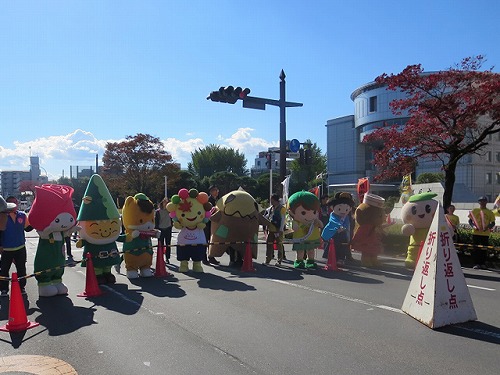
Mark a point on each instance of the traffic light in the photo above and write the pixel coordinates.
(308, 156)
(301, 156)
(269, 161)
(228, 94)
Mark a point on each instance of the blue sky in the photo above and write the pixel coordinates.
(77, 74)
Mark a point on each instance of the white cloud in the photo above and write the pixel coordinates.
(58, 153)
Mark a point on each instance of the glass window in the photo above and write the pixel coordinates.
(488, 178)
(373, 104)
(488, 156)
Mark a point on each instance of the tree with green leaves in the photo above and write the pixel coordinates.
(304, 176)
(429, 177)
(214, 158)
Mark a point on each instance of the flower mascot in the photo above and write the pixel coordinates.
(53, 216)
(235, 221)
(339, 225)
(417, 215)
(190, 211)
(138, 215)
(99, 227)
(304, 207)
(370, 219)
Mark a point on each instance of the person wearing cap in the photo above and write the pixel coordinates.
(482, 221)
(13, 242)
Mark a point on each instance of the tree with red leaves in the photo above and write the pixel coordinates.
(138, 165)
(451, 114)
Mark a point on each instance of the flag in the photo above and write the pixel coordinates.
(405, 188)
(315, 191)
(406, 183)
(285, 183)
(363, 188)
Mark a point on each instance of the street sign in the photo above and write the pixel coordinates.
(293, 155)
(294, 145)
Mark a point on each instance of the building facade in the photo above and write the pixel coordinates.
(10, 181)
(348, 159)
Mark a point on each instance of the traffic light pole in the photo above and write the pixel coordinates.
(260, 103)
(231, 95)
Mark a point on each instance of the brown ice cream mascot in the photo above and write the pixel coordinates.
(236, 218)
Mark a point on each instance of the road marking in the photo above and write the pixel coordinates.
(481, 287)
(339, 296)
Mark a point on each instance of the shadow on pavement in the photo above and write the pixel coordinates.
(474, 330)
(60, 316)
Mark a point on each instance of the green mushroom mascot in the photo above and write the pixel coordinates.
(304, 208)
(417, 215)
(99, 225)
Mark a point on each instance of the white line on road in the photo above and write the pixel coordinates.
(339, 296)
(481, 287)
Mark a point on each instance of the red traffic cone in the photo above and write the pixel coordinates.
(18, 321)
(331, 263)
(247, 260)
(161, 268)
(91, 286)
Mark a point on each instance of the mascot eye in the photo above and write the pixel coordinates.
(428, 208)
(199, 213)
(315, 212)
(183, 215)
(303, 213)
(414, 210)
(71, 220)
(57, 220)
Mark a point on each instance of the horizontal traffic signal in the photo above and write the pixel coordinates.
(228, 94)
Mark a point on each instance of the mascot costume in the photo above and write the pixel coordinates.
(417, 215)
(138, 215)
(236, 218)
(304, 208)
(99, 226)
(370, 219)
(53, 216)
(190, 211)
(339, 225)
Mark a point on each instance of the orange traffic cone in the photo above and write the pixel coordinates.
(331, 263)
(18, 321)
(247, 260)
(91, 286)
(161, 268)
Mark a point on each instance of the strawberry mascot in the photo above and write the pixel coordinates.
(53, 216)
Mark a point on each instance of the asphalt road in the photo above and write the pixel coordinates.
(275, 320)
